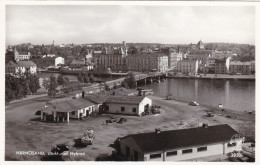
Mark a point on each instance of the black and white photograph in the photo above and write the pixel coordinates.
(130, 82)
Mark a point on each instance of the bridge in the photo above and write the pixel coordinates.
(141, 79)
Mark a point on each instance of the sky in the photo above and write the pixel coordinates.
(116, 23)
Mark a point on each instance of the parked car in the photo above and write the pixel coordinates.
(88, 137)
(193, 103)
(122, 120)
(60, 148)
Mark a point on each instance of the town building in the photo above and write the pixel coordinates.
(51, 55)
(182, 144)
(222, 65)
(188, 66)
(200, 45)
(147, 62)
(59, 61)
(240, 67)
(21, 57)
(20, 67)
(111, 58)
(127, 105)
(222, 54)
(201, 55)
(77, 63)
(64, 110)
(173, 58)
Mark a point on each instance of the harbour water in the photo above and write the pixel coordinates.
(233, 94)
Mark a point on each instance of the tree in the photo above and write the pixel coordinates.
(60, 80)
(115, 86)
(80, 77)
(123, 84)
(52, 88)
(91, 78)
(66, 81)
(46, 83)
(34, 83)
(130, 81)
(107, 87)
(86, 78)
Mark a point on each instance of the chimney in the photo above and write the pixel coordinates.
(157, 130)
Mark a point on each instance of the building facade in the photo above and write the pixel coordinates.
(188, 66)
(65, 110)
(222, 65)
(173, 58)
(177, 145)
(147, 62)
(59, 61)
(20, 67)
(21, 57)
(240, 67)
(113, 58)
(127, 105)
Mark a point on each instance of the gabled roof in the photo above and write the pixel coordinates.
(165, 140)
(68, 105)
(96, 98)
(125, 99)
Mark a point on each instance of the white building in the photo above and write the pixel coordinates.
(59, 60)
(20, 67)
(128, 105)
(21, 57)
(73, 108)
(182, 144)
(50, 55)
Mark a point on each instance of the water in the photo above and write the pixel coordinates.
(233, 94)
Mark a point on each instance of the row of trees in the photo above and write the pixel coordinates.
(129, 81)
(85, 78)
(20, 86)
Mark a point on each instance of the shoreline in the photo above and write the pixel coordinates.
(218, 77)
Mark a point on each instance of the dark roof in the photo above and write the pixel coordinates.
(25, 63)
(68, 105)
(125, 99)
(151, 142)
(96, 98)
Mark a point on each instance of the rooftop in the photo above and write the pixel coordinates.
(151, 142)
(125, 99)
(240, 63)
(68, 105)
(25, 63)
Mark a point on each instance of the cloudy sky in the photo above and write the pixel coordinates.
(160, 24)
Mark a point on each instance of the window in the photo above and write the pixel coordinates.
(107, 108)
(153, 156)
(187, 151)
(172, 153)
(232, 144)
(122, 109)
(73, 112)
(134, 109)
(202, 149)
